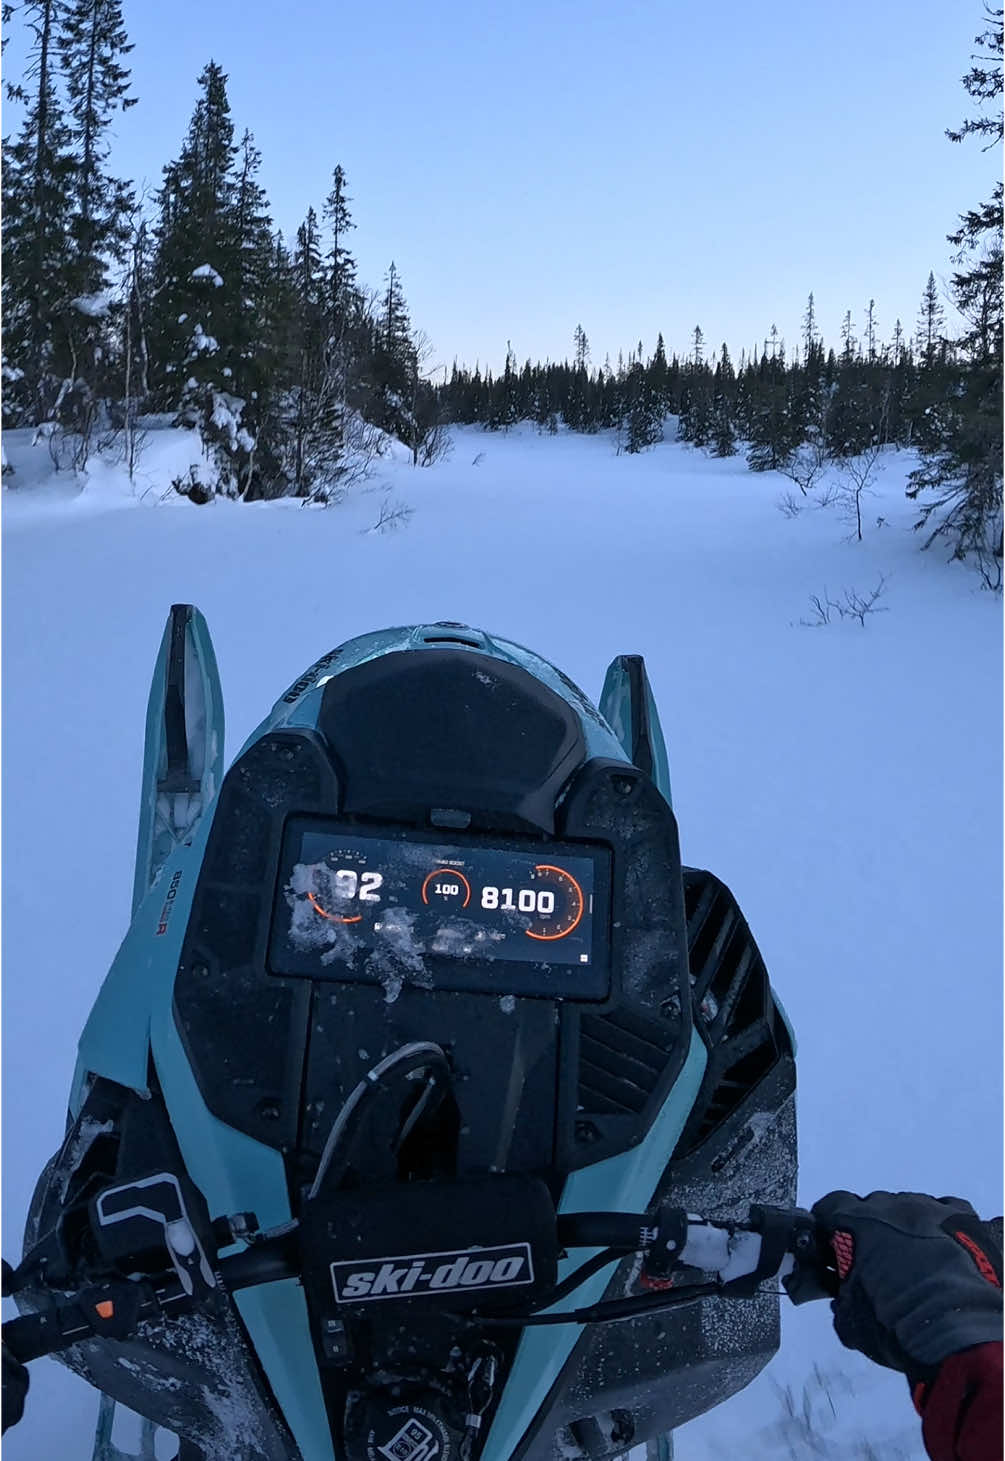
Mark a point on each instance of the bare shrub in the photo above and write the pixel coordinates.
(436, 446)
(851, 605)
(858, 476)
(829, 496)
(394, 514)
(789, 505)
(807, 464)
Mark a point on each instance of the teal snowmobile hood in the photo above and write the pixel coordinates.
(246, 1004)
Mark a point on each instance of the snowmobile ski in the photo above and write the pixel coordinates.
(183, 750)
(628, 706)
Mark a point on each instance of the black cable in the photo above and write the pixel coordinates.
(580, 1275)
(612, 1310)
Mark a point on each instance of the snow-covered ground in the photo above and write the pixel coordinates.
(844, 780)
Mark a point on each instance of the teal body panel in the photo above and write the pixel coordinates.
(115, 1042)
(624, 1183)
(275, 1315)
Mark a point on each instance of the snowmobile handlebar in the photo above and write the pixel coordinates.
(773, 1243)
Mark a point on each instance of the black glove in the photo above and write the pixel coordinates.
(15, 1388)
(920, 1277)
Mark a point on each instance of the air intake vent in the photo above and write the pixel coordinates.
(622, 1056)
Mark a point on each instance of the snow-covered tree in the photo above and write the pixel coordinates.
(208, 336)
(193, 301)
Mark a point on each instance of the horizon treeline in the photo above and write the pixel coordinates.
(766, 404)
(194, 306)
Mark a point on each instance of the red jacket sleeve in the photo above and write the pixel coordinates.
(962, 1407)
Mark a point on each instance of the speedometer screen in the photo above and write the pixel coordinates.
(352, 907)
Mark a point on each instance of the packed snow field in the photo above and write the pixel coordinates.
(844, 780)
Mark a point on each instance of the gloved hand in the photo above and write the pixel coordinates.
(920, 1278)
(15, 1388)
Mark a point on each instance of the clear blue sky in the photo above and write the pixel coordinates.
(634, 165)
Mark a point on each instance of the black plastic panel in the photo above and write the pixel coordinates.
(627, 1055)
(246, 1034)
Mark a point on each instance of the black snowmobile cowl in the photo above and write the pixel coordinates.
(423, 968)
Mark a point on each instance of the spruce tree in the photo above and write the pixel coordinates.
(772, 433)
(723, 431)
(581, 346)
(391, 367)
(659, 378)
(929, 332)
(255, 334)
(39, 172)
(961, 472)
(810, 336)
(313, 441)
(92, 46)
(643, 422)
(199, 330)
(341, 264)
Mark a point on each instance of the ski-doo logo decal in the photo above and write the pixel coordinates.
(414, 1441)
(308, 677)
(168, 909)
(411, 1274)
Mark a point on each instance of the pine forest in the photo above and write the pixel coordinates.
(191, 304)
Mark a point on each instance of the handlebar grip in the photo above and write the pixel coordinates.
(31, 1336)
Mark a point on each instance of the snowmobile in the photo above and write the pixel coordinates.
(399, 1117)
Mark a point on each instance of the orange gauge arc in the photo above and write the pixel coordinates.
(332, 917)
(544, 867)
(447, 872)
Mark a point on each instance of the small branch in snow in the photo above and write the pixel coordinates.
(393, 515)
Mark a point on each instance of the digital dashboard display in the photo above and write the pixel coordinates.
(458, 915)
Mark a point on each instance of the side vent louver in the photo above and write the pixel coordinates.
(733, 1007)
(622, 1056)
